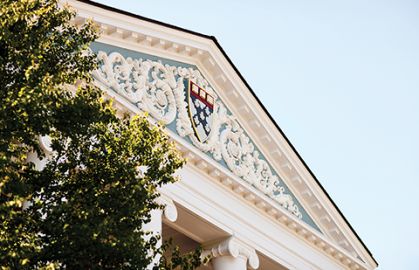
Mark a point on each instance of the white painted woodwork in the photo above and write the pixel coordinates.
(214, 203)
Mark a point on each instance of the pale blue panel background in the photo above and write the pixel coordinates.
(341, 78)
(97, 46)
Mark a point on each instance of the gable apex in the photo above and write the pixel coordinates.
(205, 53)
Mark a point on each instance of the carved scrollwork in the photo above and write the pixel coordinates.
(243, 160)
(159, 89)
(148, 84)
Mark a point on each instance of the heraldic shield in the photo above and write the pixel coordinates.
(201, 109)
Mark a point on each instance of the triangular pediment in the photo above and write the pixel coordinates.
(178, 95)
(185, 80)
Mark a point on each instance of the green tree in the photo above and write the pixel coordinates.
(86, 207)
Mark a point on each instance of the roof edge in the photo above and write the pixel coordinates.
(112, 9)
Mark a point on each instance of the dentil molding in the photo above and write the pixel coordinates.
(137, 34)
(159, 89)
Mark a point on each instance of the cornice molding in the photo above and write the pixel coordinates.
(148, 37)
(159, 89)
(207, 166)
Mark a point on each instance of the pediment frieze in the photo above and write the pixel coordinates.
(178, 95)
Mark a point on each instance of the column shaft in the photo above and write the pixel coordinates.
(229, 263)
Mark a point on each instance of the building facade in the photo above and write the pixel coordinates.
(245, 194)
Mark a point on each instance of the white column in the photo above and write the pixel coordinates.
(45, 144)
(232, 254)
(155, 224)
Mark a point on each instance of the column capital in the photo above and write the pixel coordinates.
(235, 248)
(170, 210)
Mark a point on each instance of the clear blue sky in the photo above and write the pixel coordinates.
(341, 78)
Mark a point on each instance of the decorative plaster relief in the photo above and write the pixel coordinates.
(163, 91)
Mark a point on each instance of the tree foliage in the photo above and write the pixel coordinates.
(86, 207)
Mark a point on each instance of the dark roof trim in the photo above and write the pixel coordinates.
(247, 85)
(293, 148)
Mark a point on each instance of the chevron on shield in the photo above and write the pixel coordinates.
(201, 109)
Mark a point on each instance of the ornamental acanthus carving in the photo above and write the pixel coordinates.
(172, 94)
